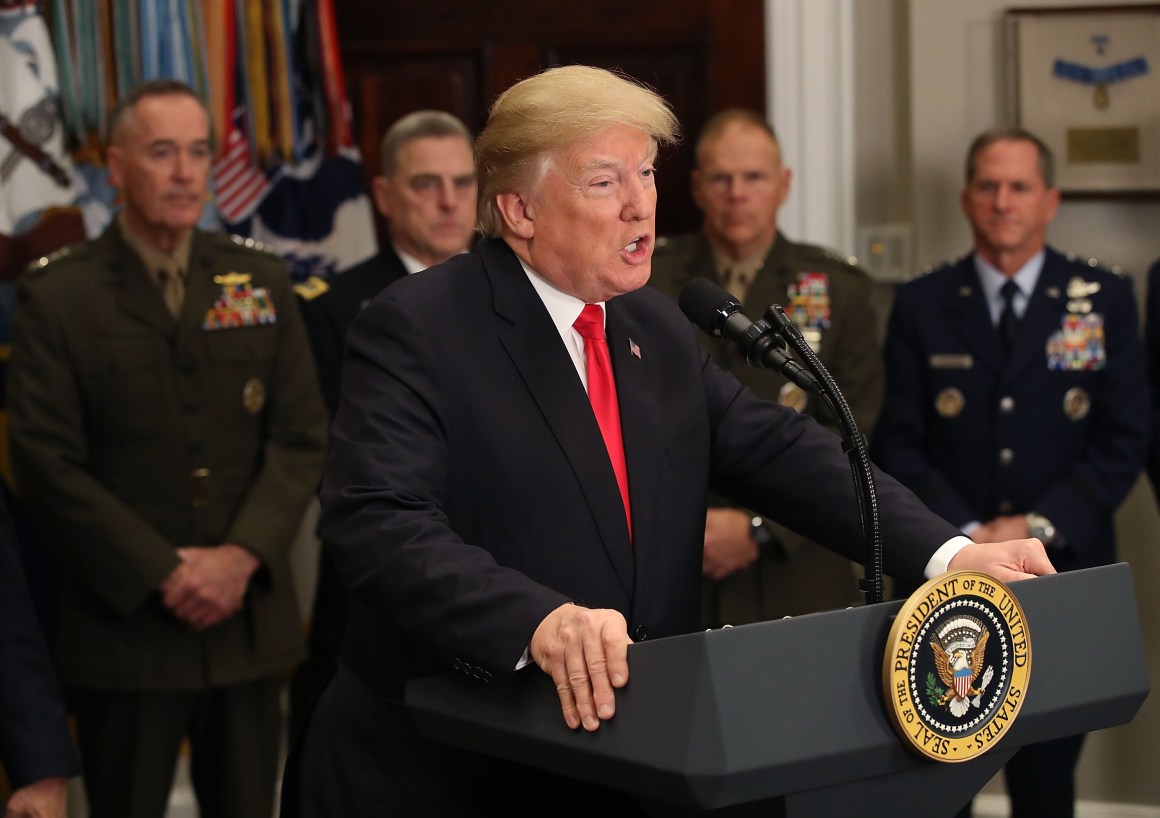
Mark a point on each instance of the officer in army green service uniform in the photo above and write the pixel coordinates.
(167, 435)
(755, 570)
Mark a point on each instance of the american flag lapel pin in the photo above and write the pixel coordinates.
(633, 349)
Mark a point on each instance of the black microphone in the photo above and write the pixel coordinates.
(719, 314)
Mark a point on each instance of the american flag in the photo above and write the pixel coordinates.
(239, 184)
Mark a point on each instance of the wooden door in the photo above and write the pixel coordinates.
(458, 55)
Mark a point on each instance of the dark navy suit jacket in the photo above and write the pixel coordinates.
(34, 739)
(1016, 436)
(1152, 349)
(469, 492)
(328, 317)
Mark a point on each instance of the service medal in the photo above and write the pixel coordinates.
(253, 396)
(240, 304)
(809, 301)
(949, 402)
(1076, 403)
(1078, 345)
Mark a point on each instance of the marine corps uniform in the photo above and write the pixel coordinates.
(135, 432)
(830, 301)
(1057, 430)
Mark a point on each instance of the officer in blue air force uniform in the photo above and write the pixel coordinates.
(1016, 400)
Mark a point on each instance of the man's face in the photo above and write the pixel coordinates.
(592, 218)
(430, 198)
(1007, 202)
(160, 159)
(739, 184)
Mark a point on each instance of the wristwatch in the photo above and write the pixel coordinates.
(1040, 527)
(759, 531)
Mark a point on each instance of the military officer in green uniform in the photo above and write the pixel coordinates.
(167, 434)
(753, 569)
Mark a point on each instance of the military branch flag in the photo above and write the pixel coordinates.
(286, 170)
(35, 173)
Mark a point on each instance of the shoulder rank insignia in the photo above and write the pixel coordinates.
(248, 243)
(44, 261)
(311, 288)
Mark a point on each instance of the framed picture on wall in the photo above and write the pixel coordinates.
(1086, 80)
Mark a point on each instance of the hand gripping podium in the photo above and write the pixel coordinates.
(786, 718)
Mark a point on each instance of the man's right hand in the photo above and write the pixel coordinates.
(729, 545)
(585, 651)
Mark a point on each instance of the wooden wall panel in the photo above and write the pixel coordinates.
(458, 55)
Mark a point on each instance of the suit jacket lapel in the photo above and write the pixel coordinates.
(771, 283)
(970, 318)
(550, 377)
(139, 296)
(640, 418)
(200, 290)
(1041, 318)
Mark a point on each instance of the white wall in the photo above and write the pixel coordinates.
(956, 92)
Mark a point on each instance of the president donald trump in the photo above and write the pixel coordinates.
(521, 459)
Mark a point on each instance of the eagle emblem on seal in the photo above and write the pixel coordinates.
(960, 647)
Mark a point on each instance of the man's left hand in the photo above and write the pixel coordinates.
(1008, 561)
(46, 798)
(729, 546)
(210, 584)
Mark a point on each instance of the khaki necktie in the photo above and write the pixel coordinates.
(172, 289)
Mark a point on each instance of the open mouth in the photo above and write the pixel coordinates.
(637, 246)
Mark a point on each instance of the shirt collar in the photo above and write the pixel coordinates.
(562, 307)
(1026, 277)
(410, 263)
(154, 259)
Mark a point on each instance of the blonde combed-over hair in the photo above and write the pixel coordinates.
(550, 110)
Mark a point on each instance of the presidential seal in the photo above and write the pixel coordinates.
(957, 665)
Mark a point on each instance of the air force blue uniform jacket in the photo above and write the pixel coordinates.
(1061, 428)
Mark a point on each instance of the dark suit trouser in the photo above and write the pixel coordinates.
(1041, 779)
(327, 625)
(130, 740)
(360, 757)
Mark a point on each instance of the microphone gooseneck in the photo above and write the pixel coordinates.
(719, 314)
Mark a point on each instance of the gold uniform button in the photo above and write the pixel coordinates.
(1006, 456)
(1007, 404)
(1006, 507)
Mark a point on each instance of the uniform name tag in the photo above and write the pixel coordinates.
(951, 361)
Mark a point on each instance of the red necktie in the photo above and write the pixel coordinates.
(602, 394)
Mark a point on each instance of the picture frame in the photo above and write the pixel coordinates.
(1086, 80)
